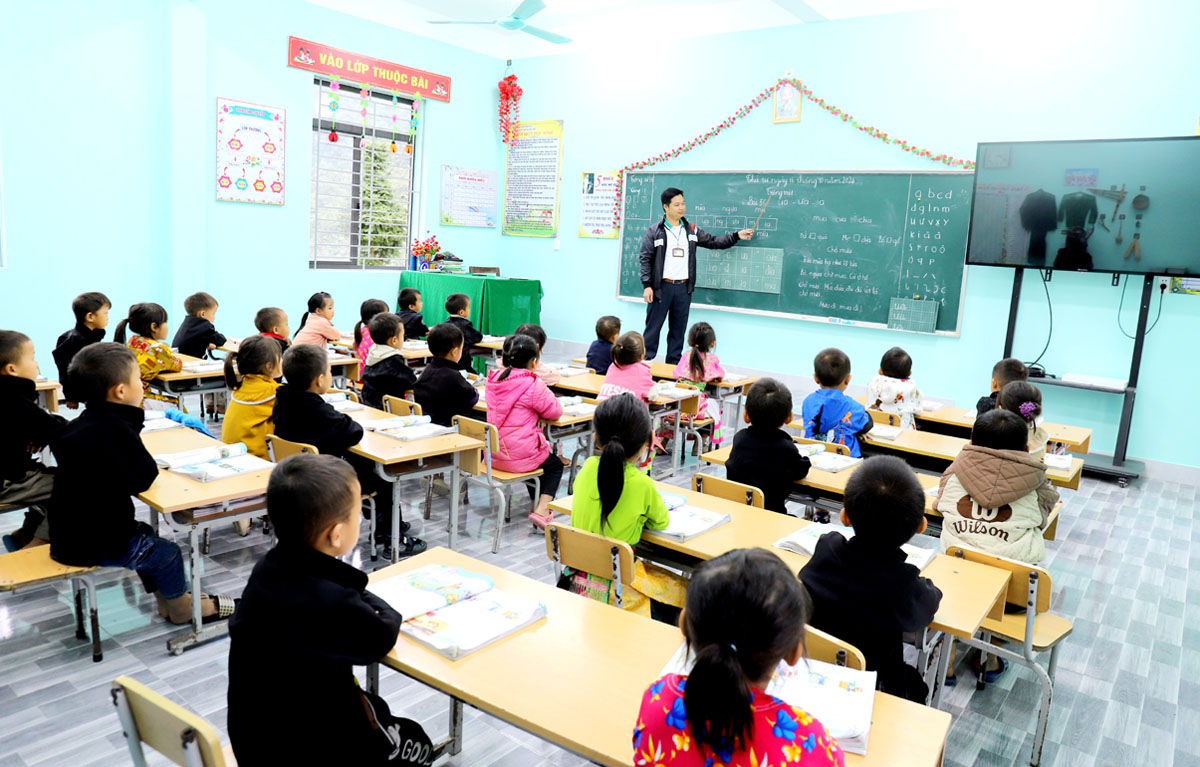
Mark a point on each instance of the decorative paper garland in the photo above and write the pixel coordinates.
(846, 117)
(334, 87)
(510, 108)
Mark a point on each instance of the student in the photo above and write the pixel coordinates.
(628, 372)
(302, 416)
(458, 306)
(830, 415)
(24, 480)
(863, 592)
(614, 499)
(763, 455)
(410, 314)
(316, 324)
(91, 318)
(995, 497)
(101, 463)
(272, 322)
(441, 390)
(362, 338)
(700, 367)
(517, 399)
(385, 371)
(599, 354)
(745, 614)
(1025, 399)
(549, 376)
(197, 335)
(148, 321)
(277, 715)
(892, 390)
(1004, 372)
(248, 417)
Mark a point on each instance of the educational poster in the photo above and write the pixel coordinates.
(531, 179)
(249, 152)
(468, 197)
(1187, 285)
(598, 196)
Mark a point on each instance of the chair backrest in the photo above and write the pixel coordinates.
(887, 419)
(399, 406)
(484, 270)
(830, 447)
(279, 448)
(165, 726)
(475, 462)
(1018, 584)
(589, 552)
(825, 647)
(350, 395)
(728, 489)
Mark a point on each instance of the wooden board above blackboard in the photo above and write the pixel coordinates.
(832, 246)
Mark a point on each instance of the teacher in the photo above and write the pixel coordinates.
(668, 259)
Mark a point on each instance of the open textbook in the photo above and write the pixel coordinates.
(156, 420)
(455, 612)
(409, 432)
(686, 522)
(832, 462)
(804, 541)
(341, 402)
(210, 463)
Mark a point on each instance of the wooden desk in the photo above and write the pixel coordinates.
(958, 421)
(593, 661)
(48, 393)
(719, 390)
(348, 362)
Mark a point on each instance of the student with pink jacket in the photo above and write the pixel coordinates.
(316, 326)
(629, 371)
(516, 400)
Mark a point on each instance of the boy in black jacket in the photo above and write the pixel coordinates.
(386, 372)
(1003, 373)
(101, 463)
(599, 354)
(91, 317)
(276, 713)
(764, 455)
(863, 591)
(24, 481)
(410, 314)
(301, 415)
(441, 391)
(458, 305)
(197, 336)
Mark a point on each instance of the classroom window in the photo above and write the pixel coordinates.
(360, 213)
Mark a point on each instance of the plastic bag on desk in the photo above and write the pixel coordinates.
(190, 421)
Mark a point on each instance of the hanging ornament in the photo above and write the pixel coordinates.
(413, 121)
(334, 86)
(364, 96)
(395, 119)
(510, 108)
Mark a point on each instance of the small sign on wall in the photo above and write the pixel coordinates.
(250, 152)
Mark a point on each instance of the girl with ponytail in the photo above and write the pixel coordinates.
(316, 325)
(628, 371)
(746, 612)
(1025, 399)
(148, 321)
(700, 367)
(248, 417)
(362, 338)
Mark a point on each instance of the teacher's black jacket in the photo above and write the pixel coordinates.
(654, 251)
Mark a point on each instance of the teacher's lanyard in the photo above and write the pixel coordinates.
(677, 251)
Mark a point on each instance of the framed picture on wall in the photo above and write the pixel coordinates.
(786, 104)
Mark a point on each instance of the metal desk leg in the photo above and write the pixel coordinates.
(737, 415)
(395, 522)
(373, 678)
(455, 489)
(943, 666)
(456, 724)
(676, 454)
(197, 569)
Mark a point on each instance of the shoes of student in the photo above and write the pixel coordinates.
(242, 527)
(440, 487)
(950, 681)
(408, 546)
(10, 544)
(821, 517)
(993, 675)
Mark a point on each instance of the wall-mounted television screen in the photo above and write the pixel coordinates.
(1108, 205)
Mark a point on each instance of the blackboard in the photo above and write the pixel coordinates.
(832, 246)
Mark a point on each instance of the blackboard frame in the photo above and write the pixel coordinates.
(955, 333)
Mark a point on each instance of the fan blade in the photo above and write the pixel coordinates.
(552, 37)
(527, 9)
(461, 22)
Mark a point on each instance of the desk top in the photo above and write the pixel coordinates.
(46, 385)
(663, 370)
(562, 421)
(1076, 437)
(592, 660)
(389, 451)
(590, 383)
(173, 492)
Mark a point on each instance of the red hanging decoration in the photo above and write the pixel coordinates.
(510, 108)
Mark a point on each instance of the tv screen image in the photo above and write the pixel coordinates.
(1105, 205)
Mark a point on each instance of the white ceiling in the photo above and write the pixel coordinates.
(595, 23)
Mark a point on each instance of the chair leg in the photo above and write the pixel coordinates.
(88, 587)
(1053, 662)
(428, 496)
(501, 518)
(1039, 734)
(374, 547)
(981, 683)
(80, 633)
(206, 544)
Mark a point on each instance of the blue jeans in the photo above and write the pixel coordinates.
(157, 561)
(674, 302)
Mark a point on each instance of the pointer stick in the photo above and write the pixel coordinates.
(761, 212)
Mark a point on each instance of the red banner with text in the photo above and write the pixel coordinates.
(365, 70)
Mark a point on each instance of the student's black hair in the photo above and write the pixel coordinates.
(315, 301)
(701, 338)
(999, 429)
(384, 326)
(768, 403)
(444, 338)
(369, 308)
(1008, 370)
(198, 302)
(99, 367)
(744, 612)
(308, 493)
(85, 303)
(408, 297)
(141, 317)
(533, 331)
(456, 302)
(628, 348)
(303, 363)
(622, 426)
(896, 363)
(267, 318)
(518, 352)
(256, 355)
(606, 326)
(831, 367)
(1022, 398)
(11, 342)
(668, 194)
(884, 501)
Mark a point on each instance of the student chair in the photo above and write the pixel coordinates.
(827, 648)
(1036, 631)
(591, 553)
(168, 728)
(478, 467)
(729, 490)
(34, 567)
(884, 419)
(399, 406)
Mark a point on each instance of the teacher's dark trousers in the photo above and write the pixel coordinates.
(673, 302)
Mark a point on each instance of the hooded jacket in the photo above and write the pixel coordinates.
(25, 426)
(386, 372)
(996, 501)
(248, 418)
(514, 406)
(68, 346)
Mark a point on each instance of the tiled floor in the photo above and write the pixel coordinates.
(1128, 687)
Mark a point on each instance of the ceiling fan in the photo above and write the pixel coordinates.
(516, 22)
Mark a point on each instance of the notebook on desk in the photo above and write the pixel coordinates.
(832, 462)
(883, 431)
(686, 522)
(207, 464)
